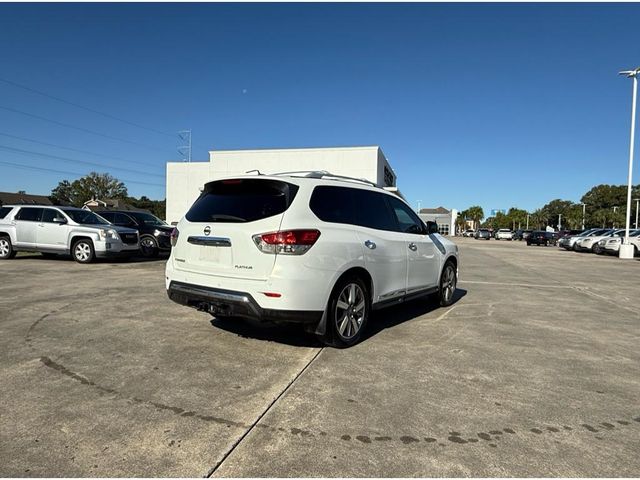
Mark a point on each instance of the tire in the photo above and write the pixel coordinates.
(83, 251)
(149, 247)
(6, 249)
(448, 283)
(348, 314)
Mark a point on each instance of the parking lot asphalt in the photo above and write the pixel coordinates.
(533, 371)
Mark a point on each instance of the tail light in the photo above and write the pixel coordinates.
(287, 242)
(174, 236)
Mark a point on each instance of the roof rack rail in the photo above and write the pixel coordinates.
(325, 174)
(255, 170)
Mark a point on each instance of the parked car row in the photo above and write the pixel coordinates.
(600, 240)
(81, 233)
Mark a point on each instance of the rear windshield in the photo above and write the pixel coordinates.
(242, 200)
(4, 211)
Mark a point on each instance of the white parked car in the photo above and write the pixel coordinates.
(504, 234)
(569, 243)
(590, 243)
(306, 247)
(62, 230)
(612, 245)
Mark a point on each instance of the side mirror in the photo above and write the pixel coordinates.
(60, 220)
(432, 227)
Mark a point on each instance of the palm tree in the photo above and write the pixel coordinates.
(476, 214)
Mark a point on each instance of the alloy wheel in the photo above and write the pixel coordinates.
(448, 283)
(82, 251)
(350, 311)
(5, 248)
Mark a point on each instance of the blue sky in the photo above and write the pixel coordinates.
(493, 104)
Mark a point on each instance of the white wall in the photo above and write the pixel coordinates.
(184, 180)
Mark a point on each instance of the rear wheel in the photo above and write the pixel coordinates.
(6, 249)
(349, 308)
(83, 251)
(448, 283)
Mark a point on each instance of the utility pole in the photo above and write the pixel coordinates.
(637, 205)
(559, 221)
(626, 249)
(185, 148)
(583, 210)
(527, 222)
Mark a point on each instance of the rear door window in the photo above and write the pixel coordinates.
(29, 214)
(242, 200)
(333, 204)
(107, 216)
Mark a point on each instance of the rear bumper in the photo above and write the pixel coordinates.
(231, 303)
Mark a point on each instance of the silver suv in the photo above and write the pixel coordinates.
(62, 230)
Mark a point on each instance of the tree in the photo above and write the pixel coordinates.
(62, 194)
(94, 185)
(538, 219)
(518, 218)
(476, 214)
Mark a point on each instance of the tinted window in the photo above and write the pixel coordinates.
(4, 211)
(372, 210)
(147, 219)
(333, 204)
(408, 221)
(49, 214)
(85, 217)
(107, 216)
(122, 219)
(242, 200)
(32, 214)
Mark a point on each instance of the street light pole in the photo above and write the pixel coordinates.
(626, 249)
(559, 221)
(527, 221)
(583, 205)
(637, 205)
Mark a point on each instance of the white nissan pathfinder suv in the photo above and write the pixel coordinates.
(306, 247)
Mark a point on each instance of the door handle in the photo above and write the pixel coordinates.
(413, 247)
(370, 245)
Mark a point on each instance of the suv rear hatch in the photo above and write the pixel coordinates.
(216, 238)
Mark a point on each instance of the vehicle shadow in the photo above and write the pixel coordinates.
(390, 317)
(294, 335)
(297, 336)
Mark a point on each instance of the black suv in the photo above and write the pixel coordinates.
(154, 233)
(540, 237)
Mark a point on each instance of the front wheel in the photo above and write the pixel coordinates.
(6, 249)
(83, 251)
(448, 283)
(149, 247)
(349, 309)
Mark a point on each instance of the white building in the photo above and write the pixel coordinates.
(446, 219)
(185, 179)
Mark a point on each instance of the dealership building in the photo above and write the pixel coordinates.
(186, 179)
(445, 218)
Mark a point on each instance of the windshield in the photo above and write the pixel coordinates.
(85, 217)
(147, 219)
